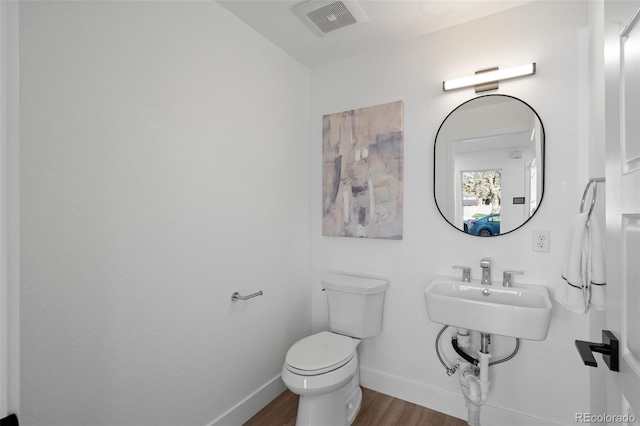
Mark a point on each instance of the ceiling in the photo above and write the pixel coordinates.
(389, 22)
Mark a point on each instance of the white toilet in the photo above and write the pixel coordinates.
(323, 368)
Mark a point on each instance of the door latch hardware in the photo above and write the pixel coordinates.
(609, 348)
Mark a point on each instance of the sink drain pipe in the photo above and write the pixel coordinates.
(473, 374)
(475, 388)
(469, 384)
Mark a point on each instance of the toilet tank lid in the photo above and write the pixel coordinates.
(354, 284)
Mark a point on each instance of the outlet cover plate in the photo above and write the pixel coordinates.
(541, 241)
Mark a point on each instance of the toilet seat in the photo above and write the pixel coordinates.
(320, 353)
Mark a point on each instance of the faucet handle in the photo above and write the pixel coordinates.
(507, 277)
(466, 273)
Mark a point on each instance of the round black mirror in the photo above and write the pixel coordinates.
(489, 165)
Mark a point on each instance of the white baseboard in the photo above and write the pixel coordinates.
(398, 387)
(248, 407)
(442, 401)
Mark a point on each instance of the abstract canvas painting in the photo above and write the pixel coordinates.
(362, 176)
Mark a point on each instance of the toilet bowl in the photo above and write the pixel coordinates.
(323, 368)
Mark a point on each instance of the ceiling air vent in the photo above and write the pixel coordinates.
(324, 17)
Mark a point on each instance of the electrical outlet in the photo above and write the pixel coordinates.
(541, 241)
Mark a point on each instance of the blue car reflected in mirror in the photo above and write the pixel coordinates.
(485, 226)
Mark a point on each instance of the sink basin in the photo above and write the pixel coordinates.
(522, 311)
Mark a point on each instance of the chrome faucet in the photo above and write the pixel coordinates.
(466, 273)
(485, 264)
(507, 277)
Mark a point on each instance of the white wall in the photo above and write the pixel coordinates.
(164, 166)
(9, 216)
(546, 380)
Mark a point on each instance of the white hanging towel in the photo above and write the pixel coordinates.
(583, 278)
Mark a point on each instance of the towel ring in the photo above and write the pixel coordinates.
(592, 183)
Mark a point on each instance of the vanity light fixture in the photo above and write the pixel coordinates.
(494, 75)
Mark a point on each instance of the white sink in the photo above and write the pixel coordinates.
(522, 311)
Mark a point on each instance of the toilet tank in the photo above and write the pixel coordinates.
(355, 304)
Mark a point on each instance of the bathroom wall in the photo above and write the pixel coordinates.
(546, 382)
(9, 192)
(164, 165)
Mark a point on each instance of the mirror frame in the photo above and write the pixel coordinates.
(543, 155)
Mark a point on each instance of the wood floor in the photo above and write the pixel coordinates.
(377, 410)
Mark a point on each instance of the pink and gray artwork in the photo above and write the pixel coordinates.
(362, 156)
